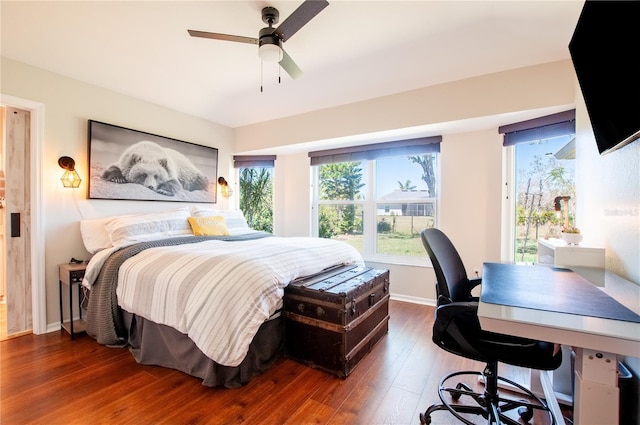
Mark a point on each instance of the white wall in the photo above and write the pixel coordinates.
(608, 198)
(68, 105)
(608, 203)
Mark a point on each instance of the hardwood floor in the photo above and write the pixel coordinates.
(49, 379)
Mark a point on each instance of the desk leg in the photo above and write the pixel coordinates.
(61, 313)
(597, 397)
(563, 377)
(542, 386)
(71, 309)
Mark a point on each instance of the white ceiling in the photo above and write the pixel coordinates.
(351, 51)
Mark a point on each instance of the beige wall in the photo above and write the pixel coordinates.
(471, 161)
(292, 195)
(469, 209)
(608, 186)
(68, 104)
(523, 89)
(471, 188)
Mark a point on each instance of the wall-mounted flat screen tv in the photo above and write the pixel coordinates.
(605, 50)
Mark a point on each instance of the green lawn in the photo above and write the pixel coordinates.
(404, 241)
(531, 250)
(406, 238)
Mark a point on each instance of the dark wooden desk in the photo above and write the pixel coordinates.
(596, 338)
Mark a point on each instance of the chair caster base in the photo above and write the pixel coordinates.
(489, 405)
(525, 413)
(425, 420)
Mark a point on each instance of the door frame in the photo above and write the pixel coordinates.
(38, 283)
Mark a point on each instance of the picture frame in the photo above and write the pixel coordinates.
(126, 164)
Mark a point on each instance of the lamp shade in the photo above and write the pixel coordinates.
(225, 190)
(70, 177)
(269, 46)
(270, 53)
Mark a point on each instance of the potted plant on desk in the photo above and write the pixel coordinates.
(571, 235)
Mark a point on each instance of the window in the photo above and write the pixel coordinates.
(256, 190)
(542, 169)
(377, 200)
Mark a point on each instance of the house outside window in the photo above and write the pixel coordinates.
(378, 204)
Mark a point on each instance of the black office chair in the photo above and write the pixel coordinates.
(457, 329)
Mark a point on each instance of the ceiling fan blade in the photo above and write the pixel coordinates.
(226, 37)
(299, 18)
(290, 66)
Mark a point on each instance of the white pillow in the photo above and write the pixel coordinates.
(126, 230)
(94, 234)
(197, 211)
(236, 222)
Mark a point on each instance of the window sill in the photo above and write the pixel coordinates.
(399, 260)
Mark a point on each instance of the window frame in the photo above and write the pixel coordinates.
(370, 207)
(241, 162)
(546, 127)
(509, 200)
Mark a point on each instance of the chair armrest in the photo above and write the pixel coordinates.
(451, 310)
(475, 282)
(457, 321)
(469, 284)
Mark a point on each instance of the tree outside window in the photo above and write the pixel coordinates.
(256, 197)
(340, 182)
(540, 178)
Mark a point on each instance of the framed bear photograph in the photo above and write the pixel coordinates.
(127, 164)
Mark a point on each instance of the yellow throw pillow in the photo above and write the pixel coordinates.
(209, 226)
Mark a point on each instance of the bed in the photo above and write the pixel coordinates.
(196, 289)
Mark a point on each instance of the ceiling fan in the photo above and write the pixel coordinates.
(270, 39)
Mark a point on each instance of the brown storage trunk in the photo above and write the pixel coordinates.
(334, 319)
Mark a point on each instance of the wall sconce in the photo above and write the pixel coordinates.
(70, 178)
(225, 190)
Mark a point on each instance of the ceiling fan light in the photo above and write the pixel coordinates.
(270, 53)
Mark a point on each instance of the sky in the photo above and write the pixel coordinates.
(390, 171)
(526, 152)
(398, 169)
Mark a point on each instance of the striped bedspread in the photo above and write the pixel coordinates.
(219, 292)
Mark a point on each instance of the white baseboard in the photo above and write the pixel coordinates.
(53, 327)
(413, 300)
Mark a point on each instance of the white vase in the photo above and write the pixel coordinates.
(571, 238)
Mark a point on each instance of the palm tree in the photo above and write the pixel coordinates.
(256, 197)
(407, 185)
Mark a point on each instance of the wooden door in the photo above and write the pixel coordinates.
(17, 217)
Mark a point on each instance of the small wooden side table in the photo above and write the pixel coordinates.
(71, 275)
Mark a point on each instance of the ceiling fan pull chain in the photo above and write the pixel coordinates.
(261, 76)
